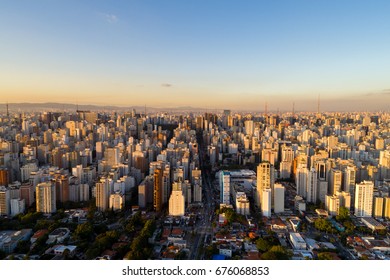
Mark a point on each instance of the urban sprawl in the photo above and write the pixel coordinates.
(194, 185)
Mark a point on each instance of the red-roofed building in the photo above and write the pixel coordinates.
(38, 234)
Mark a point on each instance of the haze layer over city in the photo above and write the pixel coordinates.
(194, 130)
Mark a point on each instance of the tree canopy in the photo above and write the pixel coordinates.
(343, 215)
(277, 253)
(323, 225)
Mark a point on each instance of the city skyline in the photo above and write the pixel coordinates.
(199, 54)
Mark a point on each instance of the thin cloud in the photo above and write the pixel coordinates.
(110, 18)
(386, 91)
(378, 93)
(166, 85)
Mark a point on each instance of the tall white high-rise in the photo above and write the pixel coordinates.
(249, 127)
(266, 197)
(242, 203)
(378, 207)
(332, 204)
(311, 185)
(103, 191)
(112, 156)
(224, 185)
(386, 206)
(285, 169)
(278, 198)
(17, 206)
(364, 195)
(345, 199)
(46, 197)
(287, 154)
(79, 173)
(349, 174)
(265, 180)
(197, 189)
(335, 181)
(301, 179)
(177, 200)
(117, 201)
(322, 187)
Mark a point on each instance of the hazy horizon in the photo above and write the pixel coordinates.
(59, 106)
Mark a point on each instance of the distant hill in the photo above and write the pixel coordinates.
(51, 106)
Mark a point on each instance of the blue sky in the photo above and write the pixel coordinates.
(216, 54)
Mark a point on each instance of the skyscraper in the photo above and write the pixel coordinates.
(312, 186)
(177, 200)
(349, 174)
(249, 127)
(301, 179)
(46, 197)
(386, 210)
(224, 185)
(27, 193)
(378, 207)
(4, 175)
(278, 198)
(335, 181)
(157, 190)
(364, 198)
(265, 180)
(117, 201)
(103, 191)
(266, 202)
(332, 204)
(4, 201)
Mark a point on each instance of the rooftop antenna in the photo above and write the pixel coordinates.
(293, 109)
(318, 104)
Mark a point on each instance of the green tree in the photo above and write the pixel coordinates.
(66, 254)
(92, 253)
(211, 250)
(343, 215)
(276, 253)
(53, 226)
(181, 256)
(83, 231)
(134, 222)
(325, 256)
(323, 225)
(263, 245)
(91, 210)
(2, 254)
(140, 248)
(40, 245)
(42, 224)
(349, 226)
(23, 247)
(30, 218)
(230, 214)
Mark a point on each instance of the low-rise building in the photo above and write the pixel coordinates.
(297, 241)
(9, 239)
(58, 235)
(60, 249)
(373, 224)
(226, 250)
